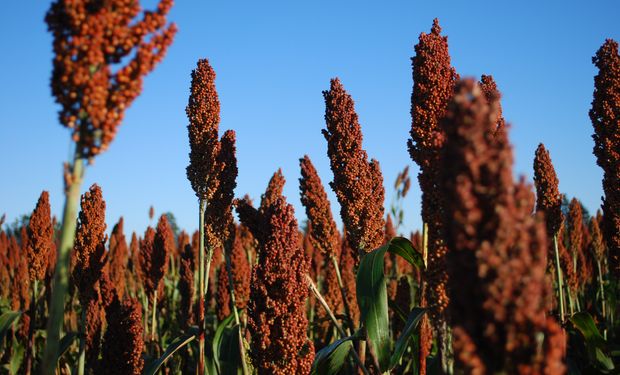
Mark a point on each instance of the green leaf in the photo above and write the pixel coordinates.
(401, 344)
(175, 345)
(65, 343)
(404, 248)
(218, 338)
(329, 360)
(17, 357)
(6, 321)
(595, 343)
(372, 301)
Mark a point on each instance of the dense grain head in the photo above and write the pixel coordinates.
(314, 198)
(277, 318)
(273, 191)
(163, 246)
(433, 86)
(218, 217)
(203, 112)
(149, 261)
(118, 256)
(123, 342)
(497, 257)
(90, 40)
(597, 244)
(88, 257)
(186, 287)
(491, 92)
(358, 183)
(40, 238)
(548, 198)
(605, 117)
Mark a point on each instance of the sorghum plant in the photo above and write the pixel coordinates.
(497, 256)
(91, 41)
(605, 116)
(278, 291)
(358, 183)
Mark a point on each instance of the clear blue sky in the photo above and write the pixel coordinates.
(272, 60)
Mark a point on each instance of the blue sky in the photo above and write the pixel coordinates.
(272, 60)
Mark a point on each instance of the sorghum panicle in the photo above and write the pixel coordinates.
(118, 255)
(40, 238)
(278, 292)
(497, 249)
(123, 342)
(358, 183)
(314, 198)
(91, 40)
(88, 257)
(548, 197)
(605, 116)
(433, 86)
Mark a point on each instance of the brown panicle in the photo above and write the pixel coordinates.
(273, 191)
(118, 255)
(88, 257)
(91, 40)
(497, 257)
(218, 215)
(186, 287)
(147, 261)
(324, 232)
(433, 86)
(597, 245)
(222, 295)
(163, 246)
(490, 91)
(605, 116)
(203, 112)
(123, 341)
(40, 238)
(358, 183)
(278, 292)
(548, 197)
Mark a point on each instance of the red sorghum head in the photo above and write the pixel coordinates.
(40, 238)
(91, 40)
(358, 183)
(605, 117)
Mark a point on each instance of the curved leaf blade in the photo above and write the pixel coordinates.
(330, 359)
(401, 344)
(6, 321)
(373, 303)
(595, 343)
(217, 339)
(403, 247)
(174, 346)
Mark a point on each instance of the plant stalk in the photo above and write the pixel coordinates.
(154, 317)
(558, 267)
(343, 292)
(201, 287)
(61, 274)
(602, 292)
(82, 355)
(341, 331)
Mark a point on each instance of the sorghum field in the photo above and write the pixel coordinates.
(505, 276)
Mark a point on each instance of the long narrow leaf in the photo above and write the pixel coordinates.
(217, 340)
(373, 304)
(403, 247)
(330, 359)
(175, 345)
(401, 344)
(6, 321)
(595, 343)
(65, 343)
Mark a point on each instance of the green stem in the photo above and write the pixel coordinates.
(61, 274)
(558, 267)
(602, 292)
(343, 292)
(341, 331)
(201, 286)
(154, 318)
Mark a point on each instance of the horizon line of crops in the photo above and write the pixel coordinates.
(498, 280)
